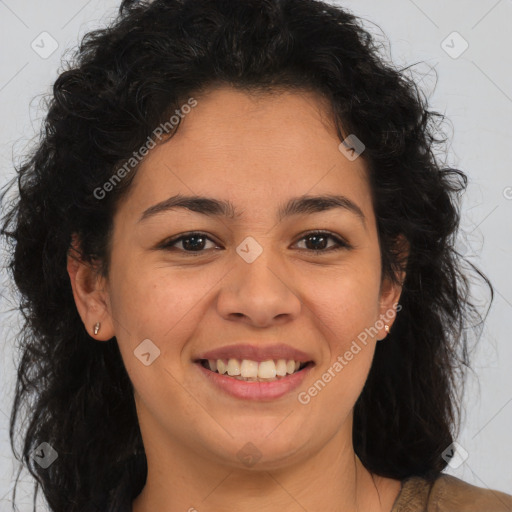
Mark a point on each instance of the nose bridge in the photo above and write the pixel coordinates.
(260, 268)
(259, 287)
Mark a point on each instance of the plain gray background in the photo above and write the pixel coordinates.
(474, 90)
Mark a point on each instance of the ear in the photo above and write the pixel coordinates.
(390, 292)
(90, 292)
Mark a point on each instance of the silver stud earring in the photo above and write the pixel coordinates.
(97, 328)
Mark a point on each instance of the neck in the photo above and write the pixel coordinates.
(332, 479)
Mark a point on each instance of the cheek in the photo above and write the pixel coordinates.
(345, 303)
(350, 351)
(160, 306)
(152, 301)
(345, 307)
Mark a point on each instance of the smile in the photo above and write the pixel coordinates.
(252, 380)
(254, 371)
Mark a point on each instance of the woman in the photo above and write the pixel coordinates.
(234, 245)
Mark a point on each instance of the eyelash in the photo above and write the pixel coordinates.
(341, 244)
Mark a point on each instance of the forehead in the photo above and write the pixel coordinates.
(281, 119)
(254, 150)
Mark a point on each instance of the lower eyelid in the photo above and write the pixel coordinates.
(171, 244)
(338, 243)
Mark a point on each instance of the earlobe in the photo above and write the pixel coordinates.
(91, 298)
(388, 307)
(391, 292)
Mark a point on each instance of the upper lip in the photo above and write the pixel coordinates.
(256, 353)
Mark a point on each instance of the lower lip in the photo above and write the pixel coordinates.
(256, 390)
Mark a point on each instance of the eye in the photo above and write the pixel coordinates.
(319, 241)
(196, 242)
(191, 242)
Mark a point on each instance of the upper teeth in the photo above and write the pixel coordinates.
(247, 368)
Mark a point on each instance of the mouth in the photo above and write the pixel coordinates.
(253, 380)
(254, 371)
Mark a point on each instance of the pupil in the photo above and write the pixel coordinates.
(317, 237)
(193, 246)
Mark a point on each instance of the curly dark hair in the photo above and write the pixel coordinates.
(128, 78)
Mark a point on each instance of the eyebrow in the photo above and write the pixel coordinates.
(223, 208)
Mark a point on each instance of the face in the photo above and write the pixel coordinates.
(253, 278)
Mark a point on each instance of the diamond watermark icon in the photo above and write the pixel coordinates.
(147, 352)
(455, 455)
(249, 249)
(44, 45)
(454, 45)
(249, 454)
(351, 147)
(44, 455)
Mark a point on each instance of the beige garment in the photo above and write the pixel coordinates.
(449, 494)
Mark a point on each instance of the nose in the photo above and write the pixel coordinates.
(258, 293)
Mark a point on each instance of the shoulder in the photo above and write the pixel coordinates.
(449, 494)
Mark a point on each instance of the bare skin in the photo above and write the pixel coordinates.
(257, 152)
